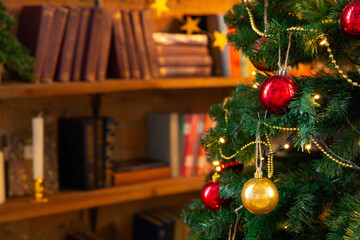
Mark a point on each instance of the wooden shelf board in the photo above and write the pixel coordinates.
(17, 209)
(30, 90)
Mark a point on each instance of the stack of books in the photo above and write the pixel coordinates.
(175, 138)
(85, 152)
(73, 44)
(159, 224)
(181, 55)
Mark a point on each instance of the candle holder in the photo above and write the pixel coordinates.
(39, 191)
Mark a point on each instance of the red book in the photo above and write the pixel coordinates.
(234, 59)
(54, 44)
(140, 45)
(105, 45)
(119, 65)
(202, 166)
(68, 46)
(189, 154)
(34, 31)
(80, 44)
(197, 145)
(92, 48)
(130, 43)
(150, 46)
(185, 141)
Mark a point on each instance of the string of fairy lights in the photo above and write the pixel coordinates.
(322, 37)
(269, 151)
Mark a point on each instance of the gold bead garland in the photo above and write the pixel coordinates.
(332, 158)
(326, 43)
(241, 149)
(270, 157)
(317, 145)
(331, 56)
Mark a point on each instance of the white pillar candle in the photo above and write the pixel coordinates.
(38, 147)
(2, 178)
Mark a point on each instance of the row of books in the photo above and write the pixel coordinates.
(85, 152)
(71, 43)
(181, 55)
(175, 138)
(159, 224)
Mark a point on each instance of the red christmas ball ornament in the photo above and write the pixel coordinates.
(260, 64)
(210, 197)
(276, 93)
(350, 19)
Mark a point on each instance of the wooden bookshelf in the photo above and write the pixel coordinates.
(29, 90)
(23, 208)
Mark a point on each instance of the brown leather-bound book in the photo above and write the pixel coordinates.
(140, 45)
(54, 44)
(68, 46)
(151, 53)
(145, 175)
(34, 31)
(80, 44)
(173, 50)
(105, 45)
(130, 43)
(92, 47)
(119, 66)
(180, 39)
(212, 25)
(185, 60)
(185, 71)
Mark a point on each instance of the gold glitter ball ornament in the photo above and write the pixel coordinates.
(259, 195)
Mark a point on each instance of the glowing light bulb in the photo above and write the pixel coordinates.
(216, 163)
(222, 140)
(323, 42)
(286, 146)
(218, 168)
(308, 146)
(255, 85)
(317, 97)
(253, 73)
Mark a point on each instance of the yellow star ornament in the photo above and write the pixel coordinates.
(191, 25)
(160, 7)
(220, 40)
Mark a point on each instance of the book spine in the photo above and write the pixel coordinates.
(119, 64)
(89, 135)
(68, 47)
(130, 43)
(109, 145)
(197, 145)
(225, 55)
(234, 60)
(125, 178)
(180, 39)
(54, 44)
(80, 44)
(185, 60)
(140, 45)
(99, 148)
(182, 50)
(34, 31)
(189, 157)
(92, 49)
(174, 145)
(212, 26)
(149, 42)
(184, 71)
(105, 45)
(185, 142)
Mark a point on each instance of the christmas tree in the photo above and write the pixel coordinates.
(300, 135)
